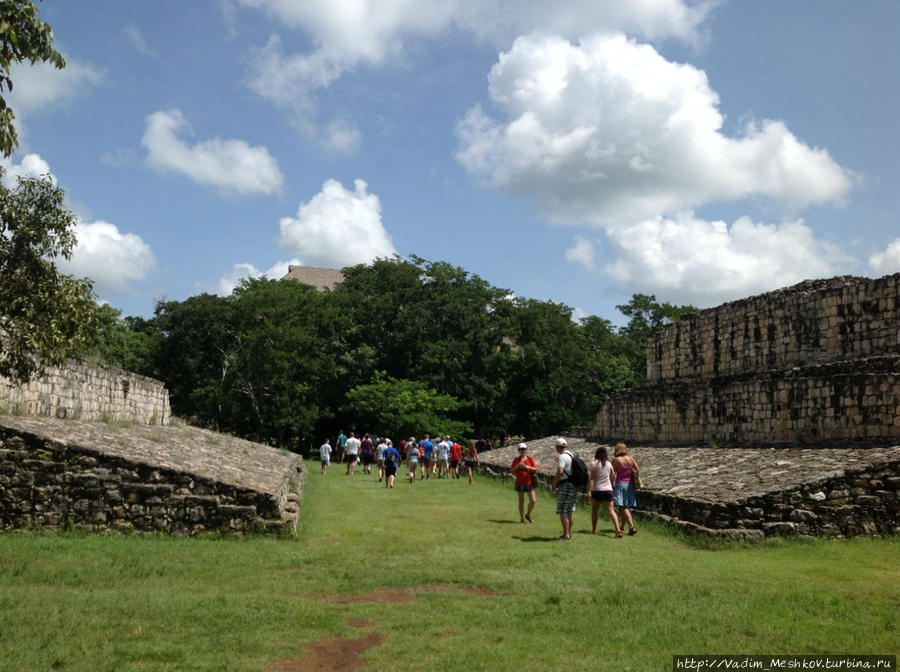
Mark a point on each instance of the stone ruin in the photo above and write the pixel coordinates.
(80, 449)
(777, 414)
(812, 363)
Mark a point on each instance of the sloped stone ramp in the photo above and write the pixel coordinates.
(148, 478)
(752, 492)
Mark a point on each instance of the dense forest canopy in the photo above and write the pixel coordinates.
(402, 345)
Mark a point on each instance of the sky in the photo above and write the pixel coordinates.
(578, 151)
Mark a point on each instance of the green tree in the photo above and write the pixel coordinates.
(128, 343)
(402, 408)
(42, 311)
(23, 37)
(194, 356)
(433, 323)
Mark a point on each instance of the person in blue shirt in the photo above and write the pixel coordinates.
(391, 458)
(428, 449)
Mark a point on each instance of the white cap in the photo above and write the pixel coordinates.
(522, 446)
(561, 442)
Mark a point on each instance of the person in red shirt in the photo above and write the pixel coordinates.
(455, 458)
(525, 469)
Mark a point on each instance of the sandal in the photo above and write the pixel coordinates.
(632, 532)
(529, 518)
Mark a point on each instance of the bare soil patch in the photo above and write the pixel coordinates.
(335, 654)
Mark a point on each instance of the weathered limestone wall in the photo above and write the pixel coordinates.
(858, 401)
(816, 362)
(77, 390)
(838, 504)
(815, 322)
(182, 480)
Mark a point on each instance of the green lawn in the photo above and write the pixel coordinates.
(482, 591)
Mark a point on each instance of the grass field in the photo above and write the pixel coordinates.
(434, 576)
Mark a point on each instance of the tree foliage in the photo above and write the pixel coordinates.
(23, 37)
(42, 311)
(403, 408)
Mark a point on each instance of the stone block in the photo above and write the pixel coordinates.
(779, 528)
(802, 516)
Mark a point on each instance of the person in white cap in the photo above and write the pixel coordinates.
(566, 493)
(525, 469)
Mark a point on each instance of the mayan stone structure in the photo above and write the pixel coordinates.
(101, 476)
(777, 414)
(320, 278)
(93, 447)
(81, 391)
(812, 363)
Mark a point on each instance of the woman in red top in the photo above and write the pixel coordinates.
(525, 469)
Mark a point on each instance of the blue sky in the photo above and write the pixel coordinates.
(577, 152)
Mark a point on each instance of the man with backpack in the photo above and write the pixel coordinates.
(567, 483)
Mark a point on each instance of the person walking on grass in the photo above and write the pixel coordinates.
(525, 470)
(368, 453)
(624, 497)
(412, 459)
(391, 458)
(455, 458)
(341, 446)
(471, 459)
(325, 455)
(379, 457)
(566, 492)
(443, 458)
(426, 452)
(352, 453)
(602, 478)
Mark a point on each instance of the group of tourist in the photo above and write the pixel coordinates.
(424, 459)
(611, 483)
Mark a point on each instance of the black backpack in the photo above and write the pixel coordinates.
(579, 477)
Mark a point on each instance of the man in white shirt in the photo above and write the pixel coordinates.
(566, 492)
(352, 449)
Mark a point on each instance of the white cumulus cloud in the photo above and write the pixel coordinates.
(691, 260)
(337, 228)
(112, 259)
(232, 166)
(346, 35)
(607, 130)
(887, 262)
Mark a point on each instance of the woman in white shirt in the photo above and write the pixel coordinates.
(601, 486)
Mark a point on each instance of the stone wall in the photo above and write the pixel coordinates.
(182, 480)
(814, 322)
(843, 401)
(846, 504)
(816, 362)
(77, 390)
